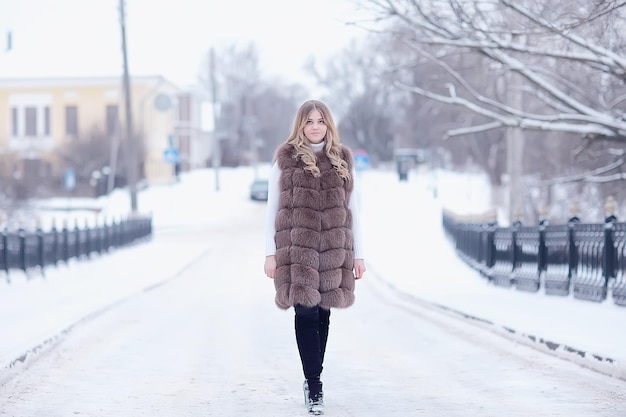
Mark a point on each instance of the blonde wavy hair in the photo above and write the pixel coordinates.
(332, 147)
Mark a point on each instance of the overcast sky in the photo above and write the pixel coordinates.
(166, 37)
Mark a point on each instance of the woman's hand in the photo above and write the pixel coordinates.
(270, 266)
(359, 268)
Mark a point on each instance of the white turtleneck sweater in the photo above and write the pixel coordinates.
(272, 210)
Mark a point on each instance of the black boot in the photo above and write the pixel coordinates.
(314, 397)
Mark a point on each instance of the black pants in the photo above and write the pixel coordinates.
(311, 335)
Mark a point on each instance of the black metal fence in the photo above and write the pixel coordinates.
(586, 260)
(22, 250)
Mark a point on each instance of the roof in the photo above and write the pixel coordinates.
(81, 81)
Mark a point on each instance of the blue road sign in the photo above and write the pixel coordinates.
(361, 160)
(170, 155)
(70, 179)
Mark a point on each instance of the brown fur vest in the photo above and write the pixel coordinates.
(314, 245)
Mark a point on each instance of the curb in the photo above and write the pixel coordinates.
(591, 360)
(31, 355)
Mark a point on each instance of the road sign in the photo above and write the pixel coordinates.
(70, 179)
(162, 102)
(361, 160)
(170, 155)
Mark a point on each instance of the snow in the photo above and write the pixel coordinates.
(441, 278)
(406, 250)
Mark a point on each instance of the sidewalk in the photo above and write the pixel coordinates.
(37, 311)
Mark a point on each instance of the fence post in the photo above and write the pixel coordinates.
(490, 250)
(22, 251)
(88, 242)
(5, 252)
(41, 249)
(609, 250)
(515, 248)
(55, 243)
(572, 252)
(66, 242)
(78, 247)
(542, 246)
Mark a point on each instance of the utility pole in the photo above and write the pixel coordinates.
(217, 150)
(515, 150)
(515, 154)
(131, 151)
(9, 44)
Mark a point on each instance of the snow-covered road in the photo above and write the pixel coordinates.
(208, 341)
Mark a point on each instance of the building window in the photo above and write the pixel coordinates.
(30, 121)
(46, 120)
(71, 121)
(14, 121)
(111, 120)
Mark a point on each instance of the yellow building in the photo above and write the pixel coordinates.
(51, 126)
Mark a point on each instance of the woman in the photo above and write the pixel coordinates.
(313, 238)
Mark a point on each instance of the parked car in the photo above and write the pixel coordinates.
(258, 190)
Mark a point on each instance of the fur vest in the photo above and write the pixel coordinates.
(314, 244)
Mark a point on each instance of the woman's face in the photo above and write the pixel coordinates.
(315, 128)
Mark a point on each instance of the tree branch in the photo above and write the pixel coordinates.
(472, 129)
(592, 176)
(570, 117)
(611, 57)
(590, 58)
(524, 123)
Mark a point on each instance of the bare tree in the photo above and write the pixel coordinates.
(357, 86)
(554, 70)
(90, 154)
(548, 44)
(274, 107)
(235, 74)
(255, 112)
